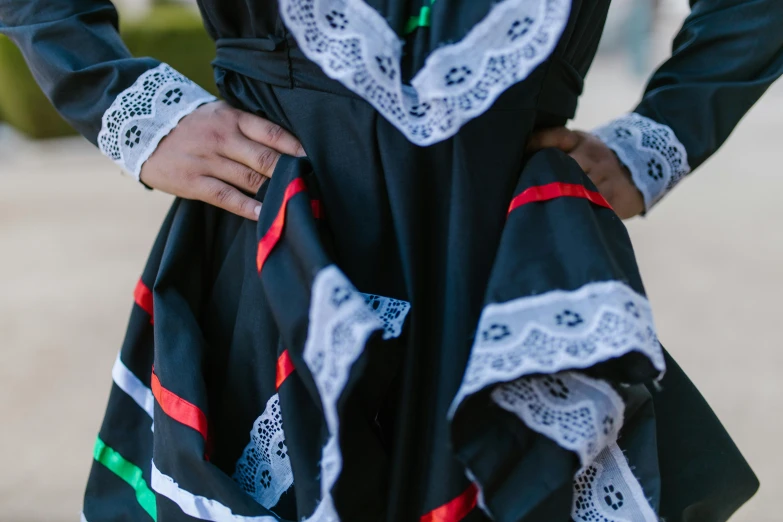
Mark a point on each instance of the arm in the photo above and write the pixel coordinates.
(726, 55)
(127, 106)
(78, 58)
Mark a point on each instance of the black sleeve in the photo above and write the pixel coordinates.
(116, 101)
(725, 56)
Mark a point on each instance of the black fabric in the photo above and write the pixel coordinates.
(230, 326)
(75, 54)
(725, 57)
(709, 462)
(426, 225)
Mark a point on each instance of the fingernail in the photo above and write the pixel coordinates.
(257, 210)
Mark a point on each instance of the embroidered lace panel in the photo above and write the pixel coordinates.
(581, 414)
(559, 331)
(144, 113)
(341, 322)
(392, 313)
(608, 491)
(650, 150)
(354, 44)
(264, 469)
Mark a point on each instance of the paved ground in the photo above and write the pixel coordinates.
(74, 236)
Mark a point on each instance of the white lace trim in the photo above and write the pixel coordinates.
(264, 469)
(145, 113)
(580, 414)
(650, 150)
(391, 312)
(341, 322)
(608, 491)
(354, 44)
(197, 506)
(559, 331)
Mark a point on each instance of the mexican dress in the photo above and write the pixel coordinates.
(427, 322)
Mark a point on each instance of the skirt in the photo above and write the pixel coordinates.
(457, 332)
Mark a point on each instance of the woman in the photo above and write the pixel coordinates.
(437, 315)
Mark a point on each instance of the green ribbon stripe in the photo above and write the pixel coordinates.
(423, 20)
(129, 473)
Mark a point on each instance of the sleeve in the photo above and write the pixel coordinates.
(125, 105)
(724, 58)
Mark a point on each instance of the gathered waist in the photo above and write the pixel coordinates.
(279, 61)
(274, 61)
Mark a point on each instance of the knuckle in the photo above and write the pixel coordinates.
(223, 195)
(216, 136)
(266, 160)
(190, 173)
(274, 133)
(252, 178)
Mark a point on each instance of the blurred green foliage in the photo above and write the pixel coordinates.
(169, 32)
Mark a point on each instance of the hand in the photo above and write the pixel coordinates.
(599, 163)
(218, 154)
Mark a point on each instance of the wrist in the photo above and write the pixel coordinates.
(650, 151)
(145, 113)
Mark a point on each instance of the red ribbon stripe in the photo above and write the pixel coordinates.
(456, 509)
(142, 295)
(285, 367)
(178, 408)
(554, 191)
(275, 232)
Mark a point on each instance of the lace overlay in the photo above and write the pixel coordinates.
(341, 322)
(607, 491)
(143, 114)
(650, 150)
(391, 311)
(264, 470)
(581, 414)
(353, 44)
(559, 331)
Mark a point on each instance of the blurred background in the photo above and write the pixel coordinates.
(74, 236)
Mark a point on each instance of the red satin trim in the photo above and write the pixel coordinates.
(318, 209)
(143, 297)
(275, 232)
(455, 510)
(178, 408)
(554, 191)
(285, 367)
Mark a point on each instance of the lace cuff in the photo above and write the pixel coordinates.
(144, 113)
(650, 150)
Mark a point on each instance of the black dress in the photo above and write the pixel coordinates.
(425, 323)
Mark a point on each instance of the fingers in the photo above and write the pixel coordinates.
(626, 200)
(269, 134)
(237, 174)
(253, 155)
(600, 164)
(592, 166)
(222, 195)
(218, 154)
(557, 137)
(596, 159)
